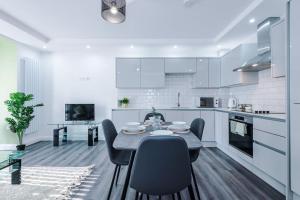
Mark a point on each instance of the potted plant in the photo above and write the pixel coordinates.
(21, 114)
(125, 102)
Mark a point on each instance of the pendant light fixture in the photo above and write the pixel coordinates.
(114, 11)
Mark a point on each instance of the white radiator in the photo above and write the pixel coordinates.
(30, 83)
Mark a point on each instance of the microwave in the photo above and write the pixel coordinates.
(209, 102)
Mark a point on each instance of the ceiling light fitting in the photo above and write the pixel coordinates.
(251, 21)
(114, 11)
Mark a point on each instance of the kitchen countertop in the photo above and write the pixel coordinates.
(275, 117)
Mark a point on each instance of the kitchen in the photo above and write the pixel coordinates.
(245, 86)
(232, 77)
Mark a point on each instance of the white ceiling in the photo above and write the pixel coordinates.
(158, 22)
(204, 19)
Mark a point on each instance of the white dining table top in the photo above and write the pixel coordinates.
(131, 141)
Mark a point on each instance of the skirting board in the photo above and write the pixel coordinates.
(209, 144)
(4, 147)
(268, 179)
(295, 196)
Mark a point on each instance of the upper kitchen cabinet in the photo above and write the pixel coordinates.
(152, 73)
(214, 73)
(180, 65)
(128, 72)
(201, 77)
(234, 59)
(278, 53)
(208, 73)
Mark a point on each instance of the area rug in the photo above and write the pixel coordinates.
(44, 183)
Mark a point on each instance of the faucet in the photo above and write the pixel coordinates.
(178, 99)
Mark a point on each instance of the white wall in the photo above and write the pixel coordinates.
(167, 96)
(24, 51)
(88, 76)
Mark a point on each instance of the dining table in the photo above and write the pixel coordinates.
(131, 142)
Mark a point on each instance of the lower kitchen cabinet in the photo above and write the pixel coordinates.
(221, 130)
(121, 117)
(173, 115)
(295, 147)
(189, 116)
(209, 129)
(271, 162)
(269, 148)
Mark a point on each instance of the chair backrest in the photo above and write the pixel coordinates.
(197, 127)
(161, 166)
(147, 117)
(110, 133)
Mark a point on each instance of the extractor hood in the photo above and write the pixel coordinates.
(263, 59)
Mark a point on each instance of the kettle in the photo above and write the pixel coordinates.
(232, 103)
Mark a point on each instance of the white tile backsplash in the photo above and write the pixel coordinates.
(269, 94)
(167, 97)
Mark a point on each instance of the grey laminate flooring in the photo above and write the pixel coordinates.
(219, 177)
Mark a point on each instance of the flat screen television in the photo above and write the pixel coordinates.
(80, 112)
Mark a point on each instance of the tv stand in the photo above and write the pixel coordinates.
(62, 128)
(92, 138)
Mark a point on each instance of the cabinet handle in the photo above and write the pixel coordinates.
(268, 147)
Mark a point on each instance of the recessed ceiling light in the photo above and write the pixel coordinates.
(88, 46)
(114, 10)
(255, 65)
(44, 47)
(131, 46)
(252, 20)
(175, 46)
(219, 46)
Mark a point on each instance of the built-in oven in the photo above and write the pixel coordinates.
(241, 133)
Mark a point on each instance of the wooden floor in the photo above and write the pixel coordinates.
(219, 177)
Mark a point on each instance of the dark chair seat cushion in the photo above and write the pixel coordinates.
(194, 155)
(121, 157)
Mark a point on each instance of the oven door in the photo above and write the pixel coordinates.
(241, 136)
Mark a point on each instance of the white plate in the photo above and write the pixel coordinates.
(180, 131)
(133, 129)
(161, 132)
(176, 127)
(179, 123)
(133, 132)
(133, 124)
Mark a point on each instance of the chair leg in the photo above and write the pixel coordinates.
(173, 197)
(141, 196)
(118, 173)
(195, 182)
(112, 183)
(159, 197)
(148, 197)
(136, 195)
(178, 196)
(191, 192)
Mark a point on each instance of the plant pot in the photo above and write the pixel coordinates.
(124, 105)
(21, 147)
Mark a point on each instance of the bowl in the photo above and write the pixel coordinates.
(132, 124)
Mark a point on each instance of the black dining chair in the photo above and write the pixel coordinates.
(147, 117)
(197, 128)
(161, 167)
(117, 157)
